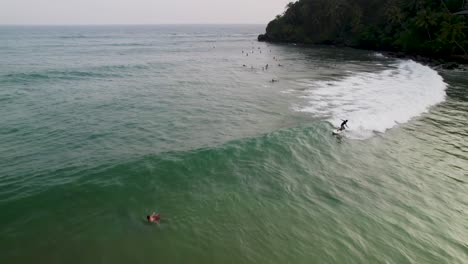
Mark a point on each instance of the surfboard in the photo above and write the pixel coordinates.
(337, 132)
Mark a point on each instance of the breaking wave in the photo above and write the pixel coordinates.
(375, 102)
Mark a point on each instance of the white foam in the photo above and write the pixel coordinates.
(377, 101)
(288, 91)
(379, 55)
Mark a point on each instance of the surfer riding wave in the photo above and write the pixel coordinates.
(343, 125)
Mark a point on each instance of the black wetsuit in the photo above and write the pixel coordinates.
(343, 124)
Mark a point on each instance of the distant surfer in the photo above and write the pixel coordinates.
(153, 218)
(343, 125)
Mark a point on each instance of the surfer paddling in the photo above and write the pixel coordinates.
(153, 218)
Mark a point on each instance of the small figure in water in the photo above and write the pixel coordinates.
(343, 125)
(153, 218)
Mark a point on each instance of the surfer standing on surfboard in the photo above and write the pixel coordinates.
(343, 125)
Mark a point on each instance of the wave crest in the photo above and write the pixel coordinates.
(377, 101)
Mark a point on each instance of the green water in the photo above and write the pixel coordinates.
(102, 125)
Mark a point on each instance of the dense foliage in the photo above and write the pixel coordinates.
(426, 27)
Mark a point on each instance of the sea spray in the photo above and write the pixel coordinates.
(375, 102)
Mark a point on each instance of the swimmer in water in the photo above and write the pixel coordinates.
(153, 218)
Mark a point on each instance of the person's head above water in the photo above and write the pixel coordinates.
(153, 218)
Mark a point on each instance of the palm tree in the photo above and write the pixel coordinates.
(445, 6)
(425, 19)
(452, 32)
(414, 5)
(394, 15)
(289, 5)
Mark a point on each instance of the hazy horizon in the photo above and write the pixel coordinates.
(141, 24)
(138, 12)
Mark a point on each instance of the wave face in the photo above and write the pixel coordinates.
(375, 102)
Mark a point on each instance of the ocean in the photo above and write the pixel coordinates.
(102, 125)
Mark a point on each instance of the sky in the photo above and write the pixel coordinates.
(78, 12)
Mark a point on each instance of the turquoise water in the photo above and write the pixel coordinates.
(102, 125)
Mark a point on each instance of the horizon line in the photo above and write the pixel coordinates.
(140, 24)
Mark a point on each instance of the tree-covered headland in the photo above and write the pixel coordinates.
(430, 28)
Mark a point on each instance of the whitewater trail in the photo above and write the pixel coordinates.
(375, 102)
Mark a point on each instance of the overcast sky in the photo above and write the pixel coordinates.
(139, 11)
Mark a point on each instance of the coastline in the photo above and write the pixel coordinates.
(459, 62)
(438, 63)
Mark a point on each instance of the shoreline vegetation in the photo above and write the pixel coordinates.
(433, 32)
